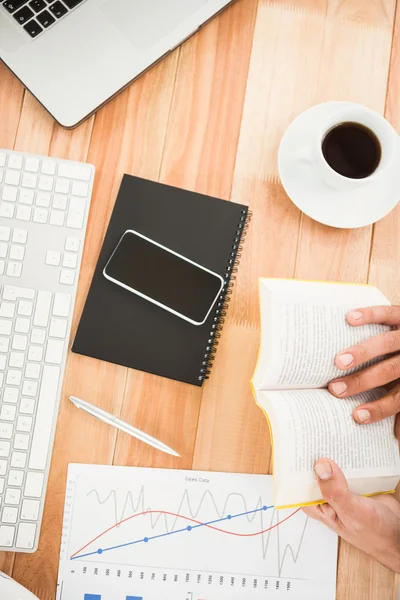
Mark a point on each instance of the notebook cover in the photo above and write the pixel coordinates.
(120, 327)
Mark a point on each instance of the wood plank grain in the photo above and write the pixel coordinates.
(11, 99)
(377, 13)
(199, 154)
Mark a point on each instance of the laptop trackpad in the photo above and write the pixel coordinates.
(147, 22)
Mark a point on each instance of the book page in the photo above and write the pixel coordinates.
(311, 424)
(304, 326)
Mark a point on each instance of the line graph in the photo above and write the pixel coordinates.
(191, 531)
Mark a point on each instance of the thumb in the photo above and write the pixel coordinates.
(335, 490)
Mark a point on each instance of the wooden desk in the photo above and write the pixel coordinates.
(209, 118)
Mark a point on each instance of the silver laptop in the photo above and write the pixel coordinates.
(74, 55)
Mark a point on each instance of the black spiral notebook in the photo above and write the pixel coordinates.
(120, 327)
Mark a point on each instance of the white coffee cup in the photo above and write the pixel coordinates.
(312, 154)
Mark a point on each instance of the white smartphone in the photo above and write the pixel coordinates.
(164, 277)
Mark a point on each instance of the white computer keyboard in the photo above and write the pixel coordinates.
(44, 205)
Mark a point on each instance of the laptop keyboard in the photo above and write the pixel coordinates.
(35, 16)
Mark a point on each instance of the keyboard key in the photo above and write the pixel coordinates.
(2, 484)
(3, 361)
(16, 478)
(26, 536)
(14, 269)
(5, 327)
(72, 244)
(7, 210)
(4, 449)
(21, 441)
(62, 185)
(73, 171)
(33, 28)
(72, 3)
(70, 260)
(7, 309)
(37, 5)
(24, 424)
(2, 267)
(30, 510)
(67, 277)
(61, 305)
(10, 193)
(22, 325)
(59, 202)
(7, 534)
(17, 252)
(29, 180)
(25, 308)
(18, 460)
(23, 15)
(5, 233)
(6, 433)
(76, 213)
(32, 164)
(30, 389)
(54, 352)
(34, 485)
(15, 161)
(48, 166)
(12, 292)
(35, 353)
(53, 258)
(9, 514)
(58, 9)
(24, 213)
(44, 418)
(20, 236)
(17, 359)
(38, 336)
(57, 218)
(80, 189)
(12, 6)
(10, 395)
(13, 378)
(32, 371)
(26, 196)
(40, 215)
(3, 155)
(46, 183)
(19, 342)
(3, 465)
(13, 178)
(12, 497)
(27, 406)
(42, 311)
(3, 250)
(58, 328)
(43, 199)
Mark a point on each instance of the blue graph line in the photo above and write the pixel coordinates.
(188, 528)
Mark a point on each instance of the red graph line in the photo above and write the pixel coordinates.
(164, 512)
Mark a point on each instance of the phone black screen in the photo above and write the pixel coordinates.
(164, 277)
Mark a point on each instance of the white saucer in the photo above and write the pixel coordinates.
(346, 209)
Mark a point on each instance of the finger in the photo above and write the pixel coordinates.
(385, 407)
(385, 315)
(324, 513)
(372, 377)
(334, 489)
(386, 343)
(397, 427)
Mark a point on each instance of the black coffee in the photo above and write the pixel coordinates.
(352, 150)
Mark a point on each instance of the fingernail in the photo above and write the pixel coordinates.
(323, 470)
(355, 314)
(346, 359)
(363, 415)
(338, 388)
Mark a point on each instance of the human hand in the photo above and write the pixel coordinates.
(376, 375)
(370, 524)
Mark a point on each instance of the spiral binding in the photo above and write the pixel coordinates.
(224, 299)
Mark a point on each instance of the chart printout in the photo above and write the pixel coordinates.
(157, 534)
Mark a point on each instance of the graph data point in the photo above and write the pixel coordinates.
(265, 507)
(189, 528)
(229, 517)
(146, 540)
(99, 551)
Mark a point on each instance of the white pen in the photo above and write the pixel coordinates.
(106, 417)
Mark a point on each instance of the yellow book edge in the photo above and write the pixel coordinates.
(253, 389)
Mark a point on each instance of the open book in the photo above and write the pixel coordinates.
(303, 327)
